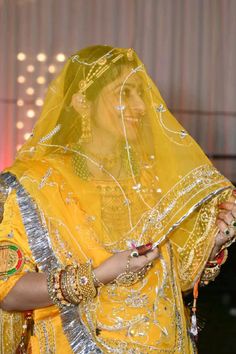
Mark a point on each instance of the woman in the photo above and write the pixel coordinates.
(109, 213)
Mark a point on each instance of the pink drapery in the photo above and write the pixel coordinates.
(188, 47)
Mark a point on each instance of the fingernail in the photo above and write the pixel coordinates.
(234, 191)
(221, 205)
(149, 245)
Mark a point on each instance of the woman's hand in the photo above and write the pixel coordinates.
(116, 264)
(31, 291)
(226, 222)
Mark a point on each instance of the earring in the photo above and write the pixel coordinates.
(82, 107)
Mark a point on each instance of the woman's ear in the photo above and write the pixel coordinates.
(81, 104)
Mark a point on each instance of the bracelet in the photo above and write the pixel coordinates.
(129, 278)
(209, 274)
(54, 289)
(220, 258)
(96, 281)
(71, 285)
(68, 285)
(85, 281)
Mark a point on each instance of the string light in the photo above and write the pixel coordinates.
(41, 80)
(52, 69)
(20, 125)
(39, 102)
(41, 57)
(30, 113)
(21, 79)
(21, 56)
(30, 68)
(30, 91)
(20, 103)
(60, 57)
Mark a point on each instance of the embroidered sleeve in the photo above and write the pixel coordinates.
(15, 255)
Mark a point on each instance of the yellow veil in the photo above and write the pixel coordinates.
(107, 167)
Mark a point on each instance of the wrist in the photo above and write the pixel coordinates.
(214, 252)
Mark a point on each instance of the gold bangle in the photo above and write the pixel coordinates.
(54, 289)
(85, 281)
(67, 287)
(71, 285)
(209, 274)
(96, 281)
(215, 262)
(75, 295)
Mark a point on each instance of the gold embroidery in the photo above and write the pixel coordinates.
(11, 259)
(45, 332)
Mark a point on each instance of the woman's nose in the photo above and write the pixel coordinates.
(138, 103)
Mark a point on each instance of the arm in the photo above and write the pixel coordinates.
(30, 292)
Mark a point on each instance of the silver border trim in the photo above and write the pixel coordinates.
(78, 336)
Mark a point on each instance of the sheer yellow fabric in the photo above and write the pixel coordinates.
(108, 168)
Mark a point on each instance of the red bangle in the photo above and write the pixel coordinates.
(219, 259)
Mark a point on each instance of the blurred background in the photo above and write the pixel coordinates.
(189, 49)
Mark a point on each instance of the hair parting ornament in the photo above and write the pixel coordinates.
(103, 66)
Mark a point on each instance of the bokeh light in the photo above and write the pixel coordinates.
(39, 102)
(20, 102)
(41, 80)
(27, 136)
(30, 68)
(60, 57)
(30, 113)
(21, 56)
(21, 79)
(52, 69)
(30, 91)
(20, 125)
(41, 57)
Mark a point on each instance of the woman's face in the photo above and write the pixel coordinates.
(119, 108)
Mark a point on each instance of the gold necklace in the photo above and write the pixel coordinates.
(108, 161)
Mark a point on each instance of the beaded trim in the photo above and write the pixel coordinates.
(77, 334)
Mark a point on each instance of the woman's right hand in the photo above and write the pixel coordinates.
(116, 264)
